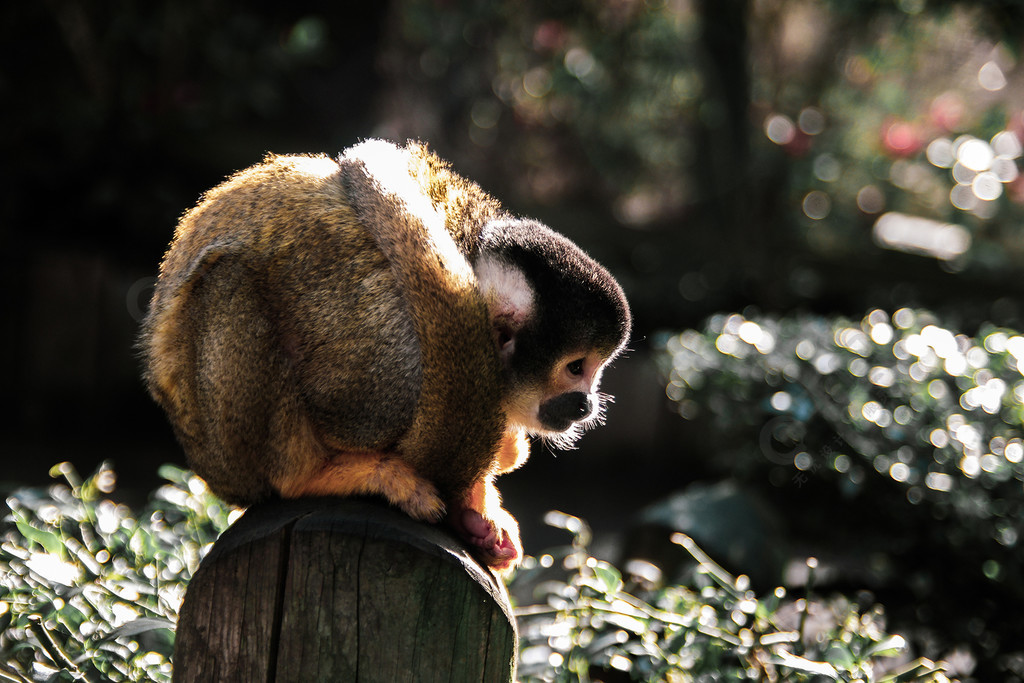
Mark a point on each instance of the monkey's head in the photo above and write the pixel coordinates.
(559, 318)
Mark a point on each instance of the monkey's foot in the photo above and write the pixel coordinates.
(420, 502)
(494, 541)
(374, 473)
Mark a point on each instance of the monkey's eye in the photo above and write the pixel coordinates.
(575, 367)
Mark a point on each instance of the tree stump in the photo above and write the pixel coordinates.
(334, 589)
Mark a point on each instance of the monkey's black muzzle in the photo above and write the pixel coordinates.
(562, 411)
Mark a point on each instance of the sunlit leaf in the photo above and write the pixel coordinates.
(49, 540)
(610, 578)
(890, 647)
(783, 658)
(140, 625)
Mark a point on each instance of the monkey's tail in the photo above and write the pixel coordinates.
(458, 422)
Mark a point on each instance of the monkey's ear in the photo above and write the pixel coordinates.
(509, 297)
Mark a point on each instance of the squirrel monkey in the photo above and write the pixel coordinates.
(376, 324)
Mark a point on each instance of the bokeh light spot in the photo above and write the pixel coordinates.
(780, 129)
(970, 465)
(881, 333)
(921, 235)
(938, 481)
(962, 197)
(940, 152)
(579, 62)
(939, 438)
(1005, 169)
(975, 154)
(1014, 451)
(986, 186)
(870, 199)
(991, 77)
(962, 174)
(537, 82)
(996, 342)
(882, 376)
(817, 205)
(781, 401)
(811, 121)
(1007, 144)
(904, 318)
(902, 138)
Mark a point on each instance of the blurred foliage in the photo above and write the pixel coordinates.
(794, 155)
(91, 591)
(612, 87)
(591, 621)
(918, 113)
(908, 420)
(760, 143)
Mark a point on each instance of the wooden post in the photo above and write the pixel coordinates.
(342, 590)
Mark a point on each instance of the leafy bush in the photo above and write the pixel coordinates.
(935, 411)
(915, 425)
(594, 619)
(91, 591)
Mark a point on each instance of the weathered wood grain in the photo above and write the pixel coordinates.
(342, 590)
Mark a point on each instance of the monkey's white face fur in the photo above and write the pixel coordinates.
(560, 406)
(509, 298)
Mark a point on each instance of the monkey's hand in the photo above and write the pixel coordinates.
(491, 532)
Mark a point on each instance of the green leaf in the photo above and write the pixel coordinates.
(919, 669)
(72, 617)
(140, 625)
(172, 473)
(610, 578)
(890, 647)
(627, 622)
(800, 664)
(50, 541)
(839, 656)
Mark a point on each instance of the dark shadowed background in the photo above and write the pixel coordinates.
(771, 157)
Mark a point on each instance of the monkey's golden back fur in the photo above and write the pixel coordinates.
(302, 313)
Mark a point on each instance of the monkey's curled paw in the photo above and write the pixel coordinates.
(494, 541)
(420, 503)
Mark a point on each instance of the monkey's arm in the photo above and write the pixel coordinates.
(493, 532)
(456, 440)
(458, 422)
(482, 521)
